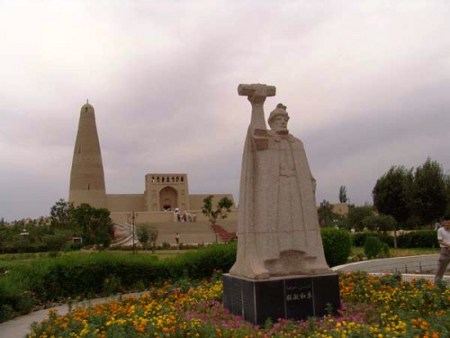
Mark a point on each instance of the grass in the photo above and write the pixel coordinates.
(162, 254)
(166, 254)
(29, 257)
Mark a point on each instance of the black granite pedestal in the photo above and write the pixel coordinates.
(293, 297)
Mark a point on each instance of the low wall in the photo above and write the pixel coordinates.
(156, 217)
(140, 217)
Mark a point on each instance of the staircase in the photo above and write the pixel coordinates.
(224, 235)
(127, 233)
(191, 233)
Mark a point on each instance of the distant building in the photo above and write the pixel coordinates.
(340, 209)
(163, 191)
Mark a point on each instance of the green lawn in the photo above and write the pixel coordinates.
(27, 257)
(164, 254)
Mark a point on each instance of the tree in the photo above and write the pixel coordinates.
(147, 235)
(60, 213)
(447, 189)
(392, 193)
(357, 214)
(379, 223)
(96, 225)
(326, 214)
(222, 208)
(55, 242)
(5, 236)
(153, 233)
(429, 192)
(343, 194)
(143, 235)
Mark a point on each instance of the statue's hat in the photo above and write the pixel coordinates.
(279, 110)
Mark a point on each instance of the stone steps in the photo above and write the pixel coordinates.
(191, 233)
(224, 235)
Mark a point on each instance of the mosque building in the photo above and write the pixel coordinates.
(163, 192)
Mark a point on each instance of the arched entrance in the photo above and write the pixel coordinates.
(168, 198)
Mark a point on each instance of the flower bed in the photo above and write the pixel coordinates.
(371, 307)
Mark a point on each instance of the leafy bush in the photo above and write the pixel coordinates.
(386, 239)
(13, 299)
(359, 238)
(385, 251)
(337, 245)
(372, 247)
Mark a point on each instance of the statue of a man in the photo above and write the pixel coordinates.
(278, 229)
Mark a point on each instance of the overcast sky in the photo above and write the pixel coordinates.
(366, 84)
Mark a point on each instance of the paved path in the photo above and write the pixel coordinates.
(19, 327)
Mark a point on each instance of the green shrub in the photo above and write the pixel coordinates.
(385, 251)
(13, 299)
(372, 247)
(337, 245)
(386, 239)
(6, 312)
(359, 238)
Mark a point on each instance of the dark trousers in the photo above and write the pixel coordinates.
(444, 259)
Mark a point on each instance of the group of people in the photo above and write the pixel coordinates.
(184, 216)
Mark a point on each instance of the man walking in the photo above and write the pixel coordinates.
(443, 236)
(177, 239)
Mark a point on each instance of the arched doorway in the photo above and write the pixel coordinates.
(168, 198)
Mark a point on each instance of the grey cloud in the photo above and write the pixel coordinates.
(366, 86)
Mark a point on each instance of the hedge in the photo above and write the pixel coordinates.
(413, 239)
(418, 239)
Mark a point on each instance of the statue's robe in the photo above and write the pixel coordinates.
(278, 229)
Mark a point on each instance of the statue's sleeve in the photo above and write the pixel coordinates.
(304, 159)
(260, 138)
(314, 183)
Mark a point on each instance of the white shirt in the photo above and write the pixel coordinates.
(443, 235)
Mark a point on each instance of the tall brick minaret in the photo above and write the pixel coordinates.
(87, 180)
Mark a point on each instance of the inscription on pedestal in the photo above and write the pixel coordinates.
(299, 297)
(290, 298)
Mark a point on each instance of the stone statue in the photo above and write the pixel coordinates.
(278, 228)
